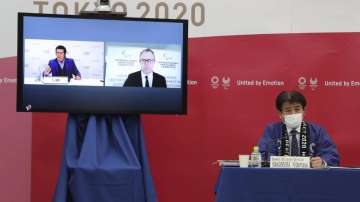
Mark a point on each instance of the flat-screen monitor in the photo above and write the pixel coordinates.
(101, 64)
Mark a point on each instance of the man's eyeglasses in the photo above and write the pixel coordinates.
(147, 60)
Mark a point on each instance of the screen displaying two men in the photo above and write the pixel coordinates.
(101, 64)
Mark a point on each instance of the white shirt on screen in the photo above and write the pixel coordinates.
(61, 64)
(150, 78)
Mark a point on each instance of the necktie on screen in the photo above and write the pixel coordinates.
(147, 82)
(294, 144)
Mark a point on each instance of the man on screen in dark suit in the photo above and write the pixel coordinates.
(62, 66)
(295, 137)
(146, 77)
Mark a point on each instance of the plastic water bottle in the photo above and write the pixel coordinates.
(40, 73)
(255, 158)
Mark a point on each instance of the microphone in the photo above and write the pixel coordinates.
(311, 149)
(278, 141)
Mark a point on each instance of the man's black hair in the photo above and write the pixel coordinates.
(62, 48)
(291, 97)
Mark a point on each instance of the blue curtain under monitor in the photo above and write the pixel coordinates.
(104, 160)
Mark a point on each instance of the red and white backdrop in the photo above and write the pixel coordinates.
(242, 53)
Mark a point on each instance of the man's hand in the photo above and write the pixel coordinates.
(76, 77)
(317, 162)
(47, 70)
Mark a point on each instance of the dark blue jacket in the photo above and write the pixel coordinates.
(134, 80)
(323, 146)
(69, 68)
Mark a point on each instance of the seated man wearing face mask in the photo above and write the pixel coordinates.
(295, 137)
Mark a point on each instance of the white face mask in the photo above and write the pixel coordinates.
(293, 120)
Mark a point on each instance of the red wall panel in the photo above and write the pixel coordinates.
(227, 120)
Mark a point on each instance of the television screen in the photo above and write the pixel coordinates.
(101, 64)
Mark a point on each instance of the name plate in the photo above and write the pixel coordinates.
(289, 162)
(55, 80)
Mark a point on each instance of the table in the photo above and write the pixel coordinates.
(236, 184)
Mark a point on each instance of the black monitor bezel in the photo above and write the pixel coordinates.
(20, 61)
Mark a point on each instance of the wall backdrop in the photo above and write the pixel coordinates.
(242, 53)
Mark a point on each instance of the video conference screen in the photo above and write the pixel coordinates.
(101, 64)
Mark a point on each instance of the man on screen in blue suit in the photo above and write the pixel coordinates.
(295, 137)
(62, 66)
(146, 77)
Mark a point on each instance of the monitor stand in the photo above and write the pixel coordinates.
(104, 156)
